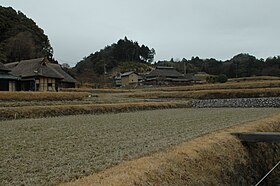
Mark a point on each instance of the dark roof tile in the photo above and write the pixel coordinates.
(3, 67)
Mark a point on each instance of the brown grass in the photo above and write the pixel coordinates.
(210, 94)
(8, 113)
(42, 96)
(256, 78)
(214, 159)
(91, 90)
(229, 85)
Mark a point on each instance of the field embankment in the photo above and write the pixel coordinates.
(8, 113)
(214, 159)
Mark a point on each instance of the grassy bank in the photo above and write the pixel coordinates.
(8, 113)
(214, 159)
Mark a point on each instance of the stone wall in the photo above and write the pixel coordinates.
(239, 102)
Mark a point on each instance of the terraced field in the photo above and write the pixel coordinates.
(53, 150)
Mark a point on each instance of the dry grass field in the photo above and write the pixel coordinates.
(16, 105)
(42, 96)
(209, 94)
(218, 158)
(9, 113)
(219, 86)
(49, 151)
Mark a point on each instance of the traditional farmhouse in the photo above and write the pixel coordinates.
(127, 79)
(40, 75)
(8, 82)
(166, 76)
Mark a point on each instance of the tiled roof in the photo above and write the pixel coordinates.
(164, 72)
(126, 73)
(39, 67)
(3, 67)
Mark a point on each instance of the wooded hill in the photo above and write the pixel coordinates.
(21, 38)
(125, 55)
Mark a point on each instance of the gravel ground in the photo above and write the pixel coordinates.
(53, 150)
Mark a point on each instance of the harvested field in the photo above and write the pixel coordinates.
(218, 158)
(42, 96)
(210, 94)
(229, 85)
(55, 150)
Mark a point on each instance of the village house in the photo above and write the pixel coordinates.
(127, 79)
(162, 75)
(40, 75)
(7, 80)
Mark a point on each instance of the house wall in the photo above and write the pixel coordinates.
(12, 86)
(45, 84)
(133, 78)
(129, 80)
(118, 82)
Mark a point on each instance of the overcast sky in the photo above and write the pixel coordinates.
(174, 28)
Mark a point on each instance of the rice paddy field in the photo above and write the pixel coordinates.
(49, 151)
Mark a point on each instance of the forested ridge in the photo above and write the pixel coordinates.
(122, 56)
(21, 38)
(241, 65)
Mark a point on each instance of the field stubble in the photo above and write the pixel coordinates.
(54, 150)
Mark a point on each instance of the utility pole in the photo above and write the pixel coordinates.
(185, 69)
(104, 72)
(236, 70)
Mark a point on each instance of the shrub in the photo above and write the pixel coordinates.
(217, 79)
(222, 78)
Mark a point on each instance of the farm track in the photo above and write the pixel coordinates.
(54, 150)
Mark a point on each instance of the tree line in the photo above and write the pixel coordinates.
(241, 65)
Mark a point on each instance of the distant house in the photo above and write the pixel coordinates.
(127, 79)
(7, 80)
(118, 81)
(167, 76)
(40, 75)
